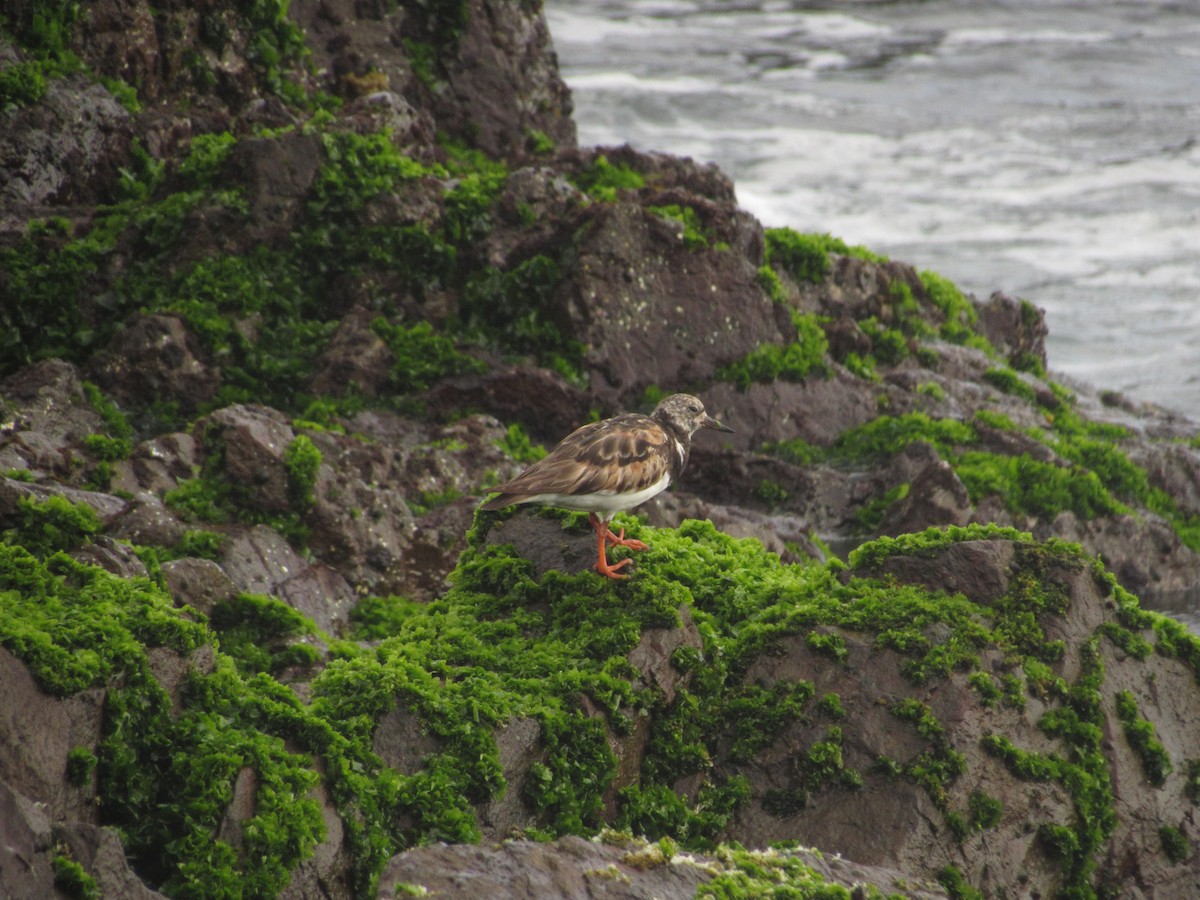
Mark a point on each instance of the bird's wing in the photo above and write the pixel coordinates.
(619, 455)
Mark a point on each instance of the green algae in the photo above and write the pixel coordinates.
(693, 232)
(72, 879)
(792, 362)
(602, 181)
(47, 526)
(1090, 474)
(259, 633)
(503, 645)
(23, 84)
(1156, 762)
(805, 257)
(1175, 843)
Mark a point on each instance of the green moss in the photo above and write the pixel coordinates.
(47, 526)
(81, 765)
(539, 143)
(956, 885)
(693, 233)
(1192, 786)
(106, 448)
(792, 362)
(45, 30)
(472, 194)
(831, 705)
(823, 765)
(985, 811)
(889, 435)
(746, 874)
(421, 355)
(1010, 382)
(1059, 842)
(518, 310)
(516, 443)
(602, 180)
(805, 257)
(771, 493)
(1028, 485)
(22, 84)
(375, 618)
(205, 157)
(259, 633)
(985, 687)
(869, 516)
(1156, 763)
(770, 283)
(200, 544)
(73, 880)
(1175, 844)
(861, 366)
(659, 812)
(957, 309)
(889, 346)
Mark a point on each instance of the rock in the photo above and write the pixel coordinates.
(652, 312)
(504, 391)
(112, 556)
(25, 843)
(102, 856)
(259, 561)
(106, 507)
(356, 360)
(172, 669)
(159, 355)
(571, 867)
(979, 569)
(935, 496)
(252, 442)
(519, 746)
(67, 149)
(38, 733)
(329, 872)
(47, 399)
(198, 583)
(543, 542)
(502, 81)
(276, 175)
(147, 522)
(1017, 329)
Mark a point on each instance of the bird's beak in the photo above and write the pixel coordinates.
(709, 422)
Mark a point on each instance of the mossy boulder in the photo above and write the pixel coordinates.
(718, 695)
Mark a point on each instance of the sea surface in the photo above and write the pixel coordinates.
(1049, 150)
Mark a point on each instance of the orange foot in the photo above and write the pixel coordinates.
(605, 536)
(617, 540)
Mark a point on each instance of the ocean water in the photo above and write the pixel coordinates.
(1050, 150)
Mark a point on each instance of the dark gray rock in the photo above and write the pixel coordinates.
(159, 356)
(259, 561)
(198, 583)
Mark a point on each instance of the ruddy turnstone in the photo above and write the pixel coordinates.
(611, 466)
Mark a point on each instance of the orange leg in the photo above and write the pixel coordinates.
(604, 536)
(617, 540)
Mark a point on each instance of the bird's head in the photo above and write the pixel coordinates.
(685, 414)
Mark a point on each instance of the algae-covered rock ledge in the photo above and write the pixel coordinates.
(285, 288)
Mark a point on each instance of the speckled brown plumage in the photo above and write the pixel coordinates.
(611, 466)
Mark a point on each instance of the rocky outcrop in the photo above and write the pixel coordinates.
(282, 295)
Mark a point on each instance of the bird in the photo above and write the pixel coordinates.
(611, 466)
